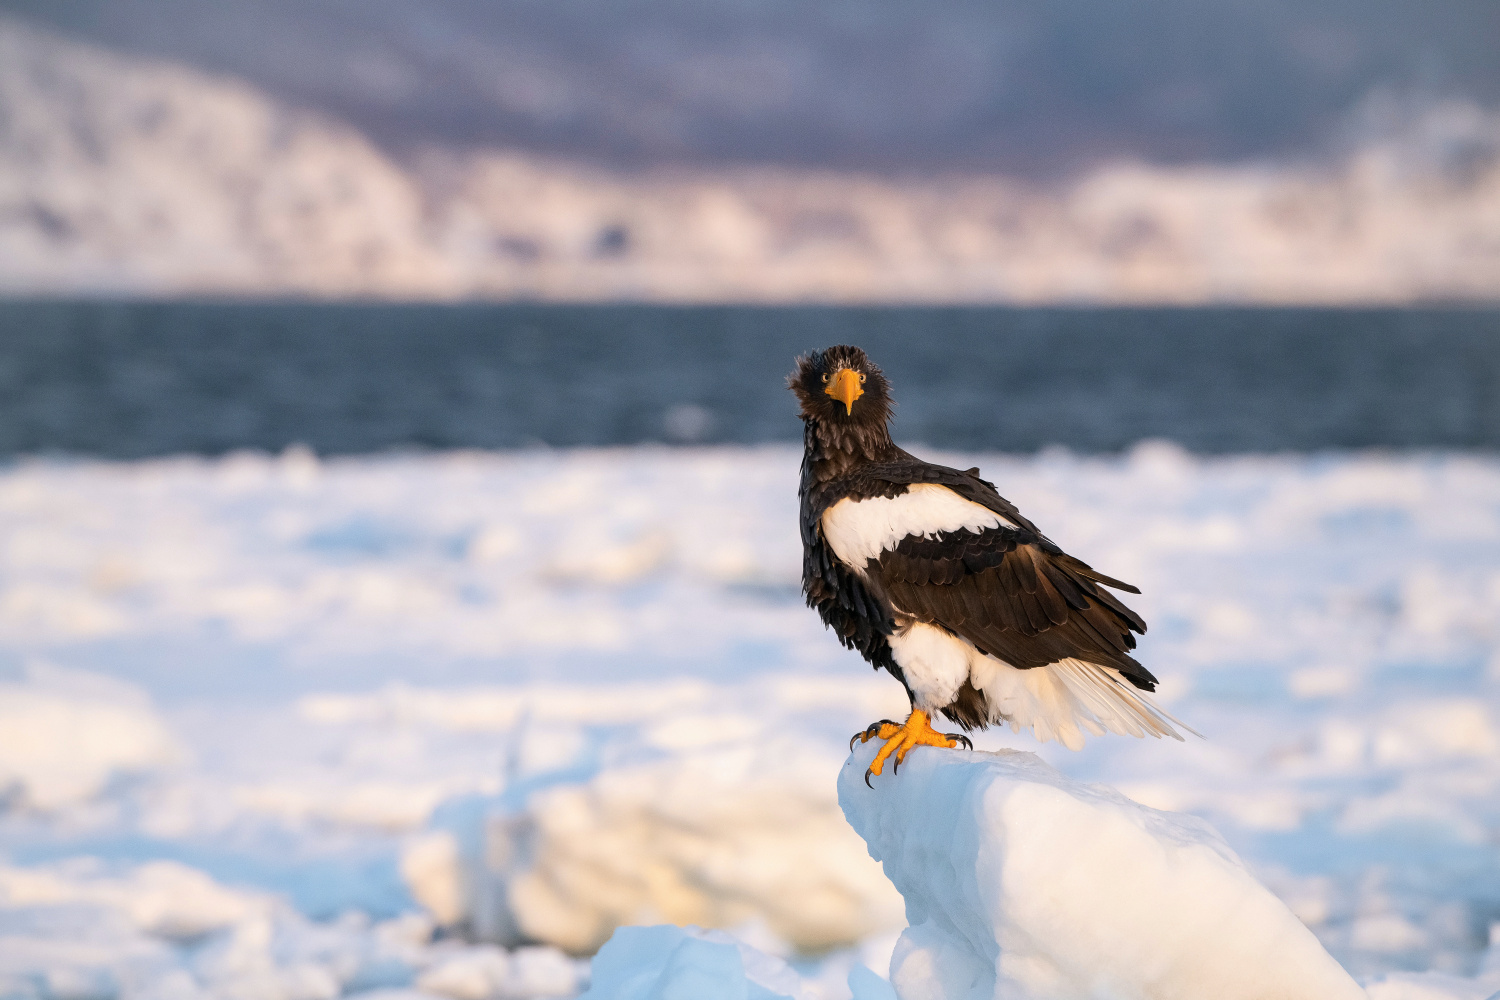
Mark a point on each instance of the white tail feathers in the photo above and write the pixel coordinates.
(1063, 699)
(1115, 702)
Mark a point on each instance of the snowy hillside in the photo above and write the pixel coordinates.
(120, 175)
(269, 723)
(1038, 88)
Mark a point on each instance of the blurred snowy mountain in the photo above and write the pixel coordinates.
(124, 174)
(1035, 89)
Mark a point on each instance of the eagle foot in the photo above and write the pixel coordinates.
(884, 728)
(916, 731)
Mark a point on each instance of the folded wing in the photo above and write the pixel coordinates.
(1014, 596)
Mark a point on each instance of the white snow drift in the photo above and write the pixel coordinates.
(64, 734)
(713, 818)
(1021, 883)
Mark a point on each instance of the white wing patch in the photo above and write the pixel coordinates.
(859, 530)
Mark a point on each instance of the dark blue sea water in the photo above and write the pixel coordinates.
(141, 378)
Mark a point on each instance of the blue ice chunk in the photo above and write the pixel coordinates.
(670, 963)
(866, 985)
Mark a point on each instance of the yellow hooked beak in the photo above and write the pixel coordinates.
(845, 388)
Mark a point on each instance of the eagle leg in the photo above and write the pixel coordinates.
(917, 731)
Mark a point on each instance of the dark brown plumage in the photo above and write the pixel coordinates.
(1008, 590)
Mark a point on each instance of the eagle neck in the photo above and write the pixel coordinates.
(833, 450)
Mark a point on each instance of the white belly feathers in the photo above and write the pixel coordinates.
(859, 530)
(934, 661)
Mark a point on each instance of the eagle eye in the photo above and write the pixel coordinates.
(861, 376)
(825, 376)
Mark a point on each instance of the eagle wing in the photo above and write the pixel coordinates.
(967, 560)
(1012, 598)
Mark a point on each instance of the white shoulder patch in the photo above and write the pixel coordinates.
(859, 530)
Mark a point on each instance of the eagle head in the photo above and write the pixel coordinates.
(840, 385)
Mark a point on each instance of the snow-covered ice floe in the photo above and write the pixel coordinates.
(1022, 883)
(386, 723)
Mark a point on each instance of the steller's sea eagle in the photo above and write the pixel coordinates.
(932, 574)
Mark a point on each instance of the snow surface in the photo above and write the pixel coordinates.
(1022, 883)
(291, 728)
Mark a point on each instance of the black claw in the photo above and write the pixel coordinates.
(961, 738)
(864, 735)
(868, 771)
(895, 765)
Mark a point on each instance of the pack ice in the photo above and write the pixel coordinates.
(257, 711)
(1024, 884)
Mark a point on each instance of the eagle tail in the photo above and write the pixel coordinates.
(1116, 705)
(1067, 698)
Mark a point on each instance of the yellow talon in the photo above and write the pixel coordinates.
(917, 731)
